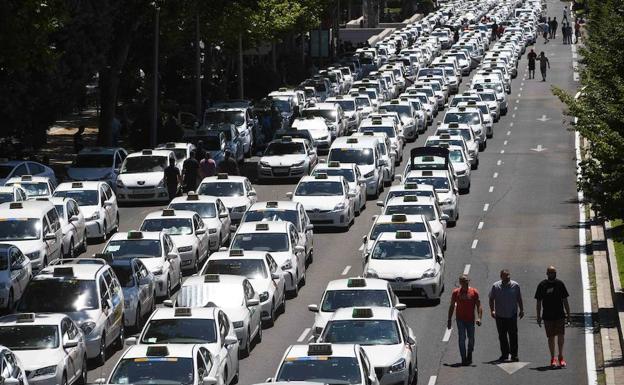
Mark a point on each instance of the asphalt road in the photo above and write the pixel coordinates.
(521, 214)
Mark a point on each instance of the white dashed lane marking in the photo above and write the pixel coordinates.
(491, 188)
(303, 335)
(467, 269)
(495, 175)
(480, 225)
(432, 380)
(486, 207)
(346, 270)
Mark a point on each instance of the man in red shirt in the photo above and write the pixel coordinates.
(465, 299)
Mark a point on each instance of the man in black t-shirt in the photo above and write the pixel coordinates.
(190, 170)
(172, 179)
(553, 308)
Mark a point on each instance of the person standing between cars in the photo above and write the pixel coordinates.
(464, 301)
(200, 153)
(207, 166)
(552, 300)
(172, 179)
(229, 165)
(505, 300)
(565, 13)
(577, 31)
(553, 28)
(532, 56)
(543, 64)
(190, 170)
(78, 140)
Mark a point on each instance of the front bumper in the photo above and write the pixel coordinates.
(52, 379)
(463, 181)
(425, 288)
(284, 172)
(329, 218)
(142, 194)
(95, 228)
(93, 345)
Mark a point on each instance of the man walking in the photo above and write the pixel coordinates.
(553, 27)
(505, 300)
(543, 64)
(549, 22)
(545, 27)
(465, 300)
(532, 56)
(552, 300)
(172, 179)
(229, 165)
(190, 169)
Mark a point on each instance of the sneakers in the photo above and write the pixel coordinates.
(502, 358)
(514, 359)
(562, 362)
(554, 363)
(469, 358)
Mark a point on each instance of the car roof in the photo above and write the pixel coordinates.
(244, 254)
(80, 271)
(199, 199)
(29, 209)
(153, 153)
(434, 173)
(371, 284)
(378, 313)
(400, 201)
(419, 186)
(12, 162)
(340, 166)
(413, 237)
(230, 178)
(7, 189)
(174, 350)
(313, 178)
(338, 350)
(209, 312)
(176, 214)
(37, 319)
(154, 235)
(294, 140)
(412, 218)
(362, 142)
(29, 179)
(281, 205)
(87, 185)
(268, 227)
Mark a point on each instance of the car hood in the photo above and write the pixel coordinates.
(406, 269)
(27, 247)
(382, 356)
(281, 257)
(283, 160)
(88, 173)
(183, 240)
(88, 211)
(321, 319)
(152, 264)
(318, 202)
(236, 313)
(144, 179)
(40, 358)
(230, 202)
(366, 168)
(212, 223)
(318, 133)
(460, 166)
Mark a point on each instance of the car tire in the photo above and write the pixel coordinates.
(119, 342)
(414, 380)
(10, 301)
(137, 318)
(64, 380)
(258, 338)
(169, 291)
(295, 292)
(104, 233)
(243, 353)
(72, 251)
(101, 357)
(116, 223)
(282, 307)
(196, 265)
(84, 372)
(271, 321)
(235, 378)
(83, 245)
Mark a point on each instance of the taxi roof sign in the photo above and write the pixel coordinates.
(236, 252)
(26, 177)
(146, 152)
(16, 205)
(192, 196)
(65, 271)
(262, 226)
(399, 218)
(445, 136)
(287, 139)
(427, 159)
(453, 125)
(168, 212)
(410, 198)
(321, 175)
(182, 312)
(76, 184)
(362, 312)
(427, 173)
(135, 234)
(271, 205)
(356, 282)
(333, 163)
(410, 186)
(222, 175)
(403, 234)
(25, 317)
(369, 133)
(157, 351)
(352, 140)
(319, 349)
(211, 278)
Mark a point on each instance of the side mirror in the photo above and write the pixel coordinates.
(209, 380)
(351, 195)
(299, 249)
(253, 302)
(130, 341)
(275, 276)
(168, 303)
(252, 193)
(49, 237)
(444, 217)
(108, 203)
(70, 344)
(365, 239)
(380, 203)
(309, 227)
(411, 341)
(400, 306)
(439, 258)
(223, 215)
(171, 256)
(74, 218)
(289, 195)
(229, 340)
(200, 231)
(313, 308)
(223, 248)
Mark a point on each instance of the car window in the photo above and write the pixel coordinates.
(35, 168)
(118, 161)
(73, 330)
(167, 244)
(20, 170)
(104, 295)
(46, 226)
(202, 370)
(207, 359)
(107, 191)
(222, 327)
(54, 220)
(293, 236)
(249, 291)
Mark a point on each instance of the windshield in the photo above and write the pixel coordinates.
(124, 274)
(282, 105)
(7, 197)
(249, 268)
(486, 96)
(430, 71)
(82, 197)
(490, 86)
(231, 117)
(328, 115)
(327, 370)
(59, 296)
(363, 102)
(335, 299)
(347, 105)
(34, 189)
(402, 193)
(140, 248)
(221, 189)
(318, 188)
(272, 215)
(426, 210)
(359, 156)
(466, 133)
(347, 173)
(437, 183)
(272, 242)
(456, 156)
(458, 99)
(284, 148)
(93, 161)
(180, 331)
(231, 298)
(154, 370)
(138, 164)
(379, 228)
(426, 91)
(388, 130)
(205, 210)
(29, 337)
(20, 229)
(462, 117)
(171, 226)
(179, 153)
(363, 332)
(393, 250)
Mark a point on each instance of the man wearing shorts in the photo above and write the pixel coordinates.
(552, 300)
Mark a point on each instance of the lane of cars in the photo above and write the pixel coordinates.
(248, 256)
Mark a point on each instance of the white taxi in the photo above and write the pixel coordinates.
(285, 158)
(318, 129)
(393, 222)
(401, 190)
(181, 151)
(15, 274)
(392, 131)
(12, 194)
(365, 154)
(73, 227)
(35, 186)
(235, 192)
(351, 173)
(467, 117)
(446, 190)
(142, 176)
(461, 164)
(427, 207)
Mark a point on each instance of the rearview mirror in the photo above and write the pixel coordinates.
(49, 237)
(70, 344)
(168, 303)
(253, 302)
(223, 215)
(289, 195)
(313, 308)
(400, 306)
(380, 203)
(200, 231)
(309, 227)
(130, 341)
(74, 218)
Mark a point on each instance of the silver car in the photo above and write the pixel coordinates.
(139, 289)
(15, 273)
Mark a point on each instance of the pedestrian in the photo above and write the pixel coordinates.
(200, 153)
(532, 56)
(505, 300)
(494, 29)
(553, 29)
(190, 171)
(552, 300)
(565, 13)
(570, 32)
(207, 167)
(549, 22)
(456, 36)
(564, 30)
(543, 64)
(545, 27)
(78, 140)
(172, 179)
(577, 31)
(228, 165)
(464, 301)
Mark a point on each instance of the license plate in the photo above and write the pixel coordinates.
(281, 170)
(401, 286)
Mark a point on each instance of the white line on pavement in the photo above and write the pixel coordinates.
(519, 95)
(303, 335)
(474, 244)
(573, 47)
(574, 55)
(516, 108)
(467, 269)
(480, 226)
(495, 175)
(511, 123)
(432, 380)
(491, 188)
(361, 248)
(486, 207)
(508, 133)
(498, 162)
(517, 101)
(346, 270)
(520, 90)
(522, 84)
(504, 143)
(447, 335)
(502, 151)
(513, 116)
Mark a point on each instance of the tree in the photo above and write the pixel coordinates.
(598, 109)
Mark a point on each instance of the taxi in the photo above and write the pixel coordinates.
(427, 207)
(261, 270)
(35, 186)
(17, 375)
(412, 263)
(98, 204)
(446, 190)
(461, 164)
(486, 115)
(318, 129)
(181, 151)
(142, 176)
(209, 326)
(391, 129)
(459, 117)
(235, 192)
(235, 295)
(384, 335)
(212, 211)
(407, 115)
(157, 252)
(186, 229)
(327, 363)
(445, 138)
(352, 174)
(401, 190)
(73, 227)
(285, 158)
(15, 274)
(390, 223)
(280, 240)
(328, 200)
(386, 155)
(51, 347)
(166, 364)
(352, 292)
(139, 289)
(365, 154)
(12, 194)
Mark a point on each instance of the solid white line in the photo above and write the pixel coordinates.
(303, 335)
(474, 244)
(576, 76)
(498, 162)
(432, 380)
(502, 151)
(573, 48)
(517, 101)
(495, 175)
(587, 309)
(504, 143)
(491, 188)
(486, 207)
(513, 116)
(480, 226)
(511, 124)
(516, 108)
(508, 133)
(467, 269)
(447, 335)
(346, 270)
(574, 55)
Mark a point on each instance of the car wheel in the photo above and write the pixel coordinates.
(196, 265)
(72, 251)
(258, 335)
(282, 307)
(101, 358)
(116, 223)
(119, 343)
(168, 294)
(414, 380)
(83, 372)
(295, 292)
(271, 321)
(44, 263)
(235, 378)
(104, 233)
(245, 351)
(64, 381)
(10, 301)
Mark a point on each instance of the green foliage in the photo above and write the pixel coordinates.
(599, 109)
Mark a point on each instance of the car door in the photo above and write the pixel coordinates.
(20, 276)
(175, 263)
(294, 242)
(251, 193)
(408, 339)
(10, 369)
(79, 223)
(305, 236)
(116, 297)
(279, 282)
(106, 208)
(147, 285)
(254, 311)
(361, 183)
(72, 355)
(214, 366)
(224, 217)
(202, 236)
(229, 353)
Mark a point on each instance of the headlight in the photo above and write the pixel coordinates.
(264, 296)
(323, 138)
(287, 265)
(119, 183)
(429, 273)
(447, 201)
(461, 172)
(158, 272)
(397, 366)
(212, 231)
(299, 164)
(87, 327)
(370, 273)
(238, 324)
(47, 371)
(340, 206)
(264, 164)
(369, 174)
(33, 255)
(161, 183)
(184, 249)
(95, 216)
(239, 209)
